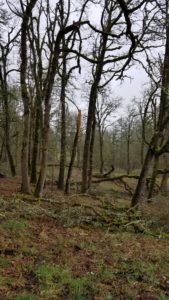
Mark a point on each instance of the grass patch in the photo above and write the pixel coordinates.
(46, 273)
(4, 262)
(14, 225)
(6, 281)
(58, 280)
(163, 297)
(142, 271)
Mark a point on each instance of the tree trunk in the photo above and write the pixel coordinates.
(142, 152)
(63, 129)
(25, 155)
(113, 148)
(86, 151)
(78, 154)
(7, 136)
(153, 178)
(128, 155)
(36, 142)
(142, 178)
(25, 98)
(164, 184)
(121, 148)
(5, 95)
(91, 115)
(69, 175)
(101, 151)
(45, 137)
(11, 161)
(2, 148)
(91, 155)
(164, 188)
(31, 129)
(128, 147)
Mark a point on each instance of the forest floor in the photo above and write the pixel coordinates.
(82, 247)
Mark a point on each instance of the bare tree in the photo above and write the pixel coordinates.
(67, 66)
(26, 14)
(159, 143)
(105, 107)
(36, 42)
(115, 14)
(47, 91)
(6, 47)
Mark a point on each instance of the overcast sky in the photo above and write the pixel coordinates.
(128, 89)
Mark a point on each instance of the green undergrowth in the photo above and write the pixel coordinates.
(58, 280)
(14, 225)
(69, 254)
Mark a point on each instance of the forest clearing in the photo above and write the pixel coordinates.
(84, 149)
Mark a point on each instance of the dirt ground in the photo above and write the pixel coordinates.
(82, 247)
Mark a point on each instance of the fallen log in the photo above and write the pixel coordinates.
(162, 171)
(120, 177)
(109, 172)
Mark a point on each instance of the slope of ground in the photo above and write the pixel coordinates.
(81, 247)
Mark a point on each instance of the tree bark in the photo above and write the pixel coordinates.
(31, 129)
(2, 148)
(164, 188)
(45, 137)
(101, 151)
(164, 184)
(128, 149)
(142, 151)
(79, 154)
(36, 141)
(142, 178)
(69, 175)
(91, 155)
(91, 115)
(5, 95)
(25, 188)
(7, 135)
(63, 127)
(154, 175)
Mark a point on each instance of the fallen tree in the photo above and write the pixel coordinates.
(109, 172)
(119, 177)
